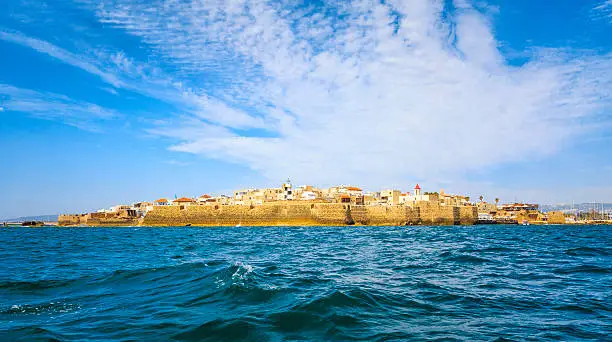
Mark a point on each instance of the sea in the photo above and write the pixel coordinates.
(459, 283)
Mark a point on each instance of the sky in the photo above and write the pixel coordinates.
(117, 101)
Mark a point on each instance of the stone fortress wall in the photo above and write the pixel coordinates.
(297, 213)
(97, 219)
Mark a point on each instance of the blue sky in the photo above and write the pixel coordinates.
(116, 101)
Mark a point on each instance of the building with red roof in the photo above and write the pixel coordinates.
(184, 201)
(161, 201)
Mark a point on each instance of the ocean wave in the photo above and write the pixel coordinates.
(588, 251)
(493, 249)
(463, 258)
(306, 284)
(31, 333)
(592, 269)
(574, 308)
(219, 329)
(38, 309)
(322, 311)
(242, 272)
(182, 273)
(36, 285)
(337, 298)
(154, 275)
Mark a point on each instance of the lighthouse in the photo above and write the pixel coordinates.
(287, 190)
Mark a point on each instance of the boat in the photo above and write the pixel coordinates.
(525, 223)
(238, 225)
(33, 224)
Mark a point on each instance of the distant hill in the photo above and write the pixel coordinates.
(44, 218)
(582, 207)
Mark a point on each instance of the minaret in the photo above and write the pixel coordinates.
(417, 190)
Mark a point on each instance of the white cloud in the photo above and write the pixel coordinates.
(120, 71)
(366, 97)
(60, 54)
(110, 91)
(604, 9)
(50, 106)
(367, 93)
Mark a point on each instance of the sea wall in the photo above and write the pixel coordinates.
(231, 215)
(432, 213)
(392, 215)
(436, 214)
(300, 213)
(468, 215)
(285, 214)
(69, 220)
(97, 219)
(332, 214)
(556, 217)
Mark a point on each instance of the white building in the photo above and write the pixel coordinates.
(249, 197)
(391, 197)
(485, 217)
(308, 196)
(352, 191)
(417, 196)
(203, 199)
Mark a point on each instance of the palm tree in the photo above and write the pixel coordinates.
(481, 197)
(496, 201)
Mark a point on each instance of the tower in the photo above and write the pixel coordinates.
(287, 190)
(417, 190)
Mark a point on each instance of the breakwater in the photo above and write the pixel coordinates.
(286, 214)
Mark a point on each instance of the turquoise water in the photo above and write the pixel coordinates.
(318, 283)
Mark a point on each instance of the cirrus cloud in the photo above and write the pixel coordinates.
(57, 107)
(604, 10)
(353, 91)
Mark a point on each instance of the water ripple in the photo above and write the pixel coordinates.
(481, 283)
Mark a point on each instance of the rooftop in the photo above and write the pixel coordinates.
(183, 200)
